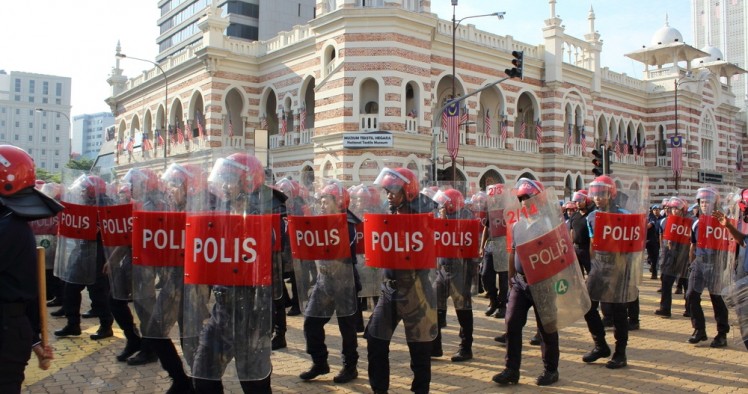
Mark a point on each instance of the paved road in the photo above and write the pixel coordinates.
(660, 360)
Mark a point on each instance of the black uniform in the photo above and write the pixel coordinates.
(578, 224)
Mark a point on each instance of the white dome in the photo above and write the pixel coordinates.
(666, 35)
(715, 55)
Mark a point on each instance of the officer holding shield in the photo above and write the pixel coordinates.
(708, 264)
(520, 301)
(334, 292)
(676, 245)
(406, 295)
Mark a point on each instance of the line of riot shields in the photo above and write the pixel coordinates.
(201, 249)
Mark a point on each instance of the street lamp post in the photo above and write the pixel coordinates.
(455, 24)
(69, 123)
(165, 125)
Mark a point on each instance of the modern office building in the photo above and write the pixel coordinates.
(361, 87)
(723, 25)
(89, 133)
(248, 19)
(35, 116)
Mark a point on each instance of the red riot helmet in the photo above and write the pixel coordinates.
(707, 193)
(603, 186)
(190, 176)
(399, 179)
(451, 200)
(53, 190)
(338, 192)
(570, 205)
(430, 191)
(17, 170)
(479, 201)
(39, 183)
(91, 185)
(527, 188)
(143, 177)
(678, 203)
(368, 196)
(289, 187)
(242, 168)
(581, 196)
(124, 191)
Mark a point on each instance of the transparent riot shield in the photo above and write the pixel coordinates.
(457, 243)
(45, 230)
(365, 199)
(498, 197)
(228, 269)
(116, 235)
(401, 246)
(297, 204)
(736, 298)
(545, 250)
(715, 246)
(77, 243)
(677, 245)
(618, 239)
(322, 254)
(158, 250)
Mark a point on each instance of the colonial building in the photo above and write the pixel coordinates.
(299, 99)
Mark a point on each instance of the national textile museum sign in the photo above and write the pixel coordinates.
(374, 139)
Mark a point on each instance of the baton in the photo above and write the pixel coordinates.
(42, 283)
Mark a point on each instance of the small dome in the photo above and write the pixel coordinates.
(715, 55)
(666, 35)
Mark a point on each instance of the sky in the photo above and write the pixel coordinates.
(78, 38)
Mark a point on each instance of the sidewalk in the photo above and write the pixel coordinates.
(659, 360)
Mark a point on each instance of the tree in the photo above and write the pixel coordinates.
(80, 164)
(47, 176)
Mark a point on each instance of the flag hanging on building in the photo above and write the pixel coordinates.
(504, 129)
(263, 123)
(173, 135)
(522, 128)
(570, 137)
(284, 124)
(464, 116)
(200, 128)
(231, 127)
(487, 125)
(120, 146)
(147, 145)
(159, 139)
(302, 119)
(188, 132)
(676, 154)
(131, 145)
(635, 147)
(180, 136)
(451, 124)
(618, 147)
(583, 141)
(539, 132)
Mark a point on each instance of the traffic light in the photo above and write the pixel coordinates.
(597, 161)
(518, 63)
(608, 160)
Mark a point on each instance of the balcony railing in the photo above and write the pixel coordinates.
(443, 136)
(411, 125)
(663, 161)
(524, 145)
(234, 142)
(573, 150)
(305, 137)
(369, 122)
(292, 139)
(489, 142)
(628, 159)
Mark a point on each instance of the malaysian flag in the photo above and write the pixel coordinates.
(635, 147)
(130, 145)
(284, 124)
(302, 119)
(570, 138)
(618, 148)
(200, 128)
(539, 132)
(625, 147)
(522, 128)
(676, 152)
(583, 142)
(173, 135)
(451, 123)
(180, 136)
(231, 127)
(188, 133)
(487, 125)
(159, 139)
(263, 123)
(146, 144)
(504, 129)
(120, 146)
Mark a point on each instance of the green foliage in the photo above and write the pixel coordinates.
(80, 164)
(47, 176)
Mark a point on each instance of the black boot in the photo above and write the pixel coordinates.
(618, 360)
(278, 342)
(720, 340)
(697, 336)
(465, 318)
(601, 350)
(500, 313)
(143, 357)
(507, 376)
(436, 345)
(181, 385)
(316, 370)
(441, 317)
(536, 339)
(348, 373)
(493, 305)
(70, 330)
(464, 354)
(131, 347)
